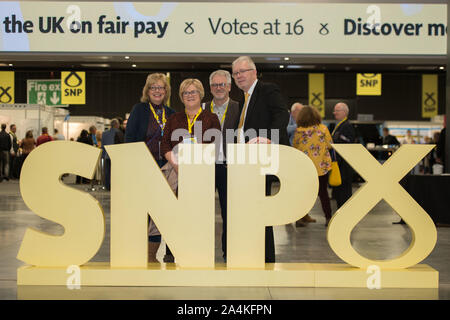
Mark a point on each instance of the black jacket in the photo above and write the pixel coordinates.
(266, 110)
(5, 141)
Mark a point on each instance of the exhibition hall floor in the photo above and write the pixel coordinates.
(374, 237)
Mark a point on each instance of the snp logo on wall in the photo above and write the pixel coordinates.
(7, 87)
(73, 87)
(368, 84)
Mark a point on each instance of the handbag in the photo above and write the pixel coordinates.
(334, 179)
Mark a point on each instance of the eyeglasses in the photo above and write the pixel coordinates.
(156, 88)
(237, 73)
(190, 93)
(218, 85)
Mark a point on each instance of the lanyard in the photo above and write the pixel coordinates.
(337, 126)
(224, 114)
(162, 123)
(190, 125)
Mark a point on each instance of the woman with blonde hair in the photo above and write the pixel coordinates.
(191, 94)
(147, 123)
(314, 139)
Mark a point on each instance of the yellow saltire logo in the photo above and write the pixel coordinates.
(7, 87)
(73, 87)
(429, 95)
(368, 84)
(316, 92)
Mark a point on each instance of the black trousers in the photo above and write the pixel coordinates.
(107, 173)
(221, 186)
(270, 242)
(344, 191)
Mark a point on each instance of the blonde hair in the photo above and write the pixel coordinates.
(153, 79)
(196, 83)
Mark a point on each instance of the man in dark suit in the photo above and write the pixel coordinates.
(263, 108)
(227, 110)
(389, 139)
(343, 133)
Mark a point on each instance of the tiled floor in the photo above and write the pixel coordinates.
(374, 237)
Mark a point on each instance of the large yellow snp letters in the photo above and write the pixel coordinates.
(187, 223)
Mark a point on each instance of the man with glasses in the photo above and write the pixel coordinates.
(263, 110)
(227, 110)
(343, 133)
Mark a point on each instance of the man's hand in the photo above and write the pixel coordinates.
(259, 140)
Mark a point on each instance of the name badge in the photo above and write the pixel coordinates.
(190, 140)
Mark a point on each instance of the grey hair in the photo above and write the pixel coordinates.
(344, 106)
(249, 60)
(223, 73)
(295, 105)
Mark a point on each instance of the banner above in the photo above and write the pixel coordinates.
(209, 28)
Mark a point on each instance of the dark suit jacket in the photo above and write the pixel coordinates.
(390, 140)
(231, 121)
(266, 110)
(138, 121)
(345, 133)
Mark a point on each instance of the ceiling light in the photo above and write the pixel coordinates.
(10, 64)
(421, 68)
(95, 65)
(286, 58)
(296, 66)
(127, 57)
(281, 66)
(133, 65)
(273, 59)
(441, 68)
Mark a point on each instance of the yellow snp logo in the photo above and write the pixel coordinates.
(7, 87)
(368, 84)
(73, 87)
(187, 221)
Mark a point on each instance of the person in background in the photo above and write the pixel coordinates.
(314, 139)
(389, 139)
(93, 135)
(292, 126)
(5, 149)
(84, 138)
(26, 145)
(122, 124)
(57, 135)
(343, 133)
(408, 139)
(147, 123)
(44, 137)
(109, 137)
(98, 137)
(14, 154)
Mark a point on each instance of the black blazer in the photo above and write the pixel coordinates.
(266, 110)
(344, 133)
(231, 121)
